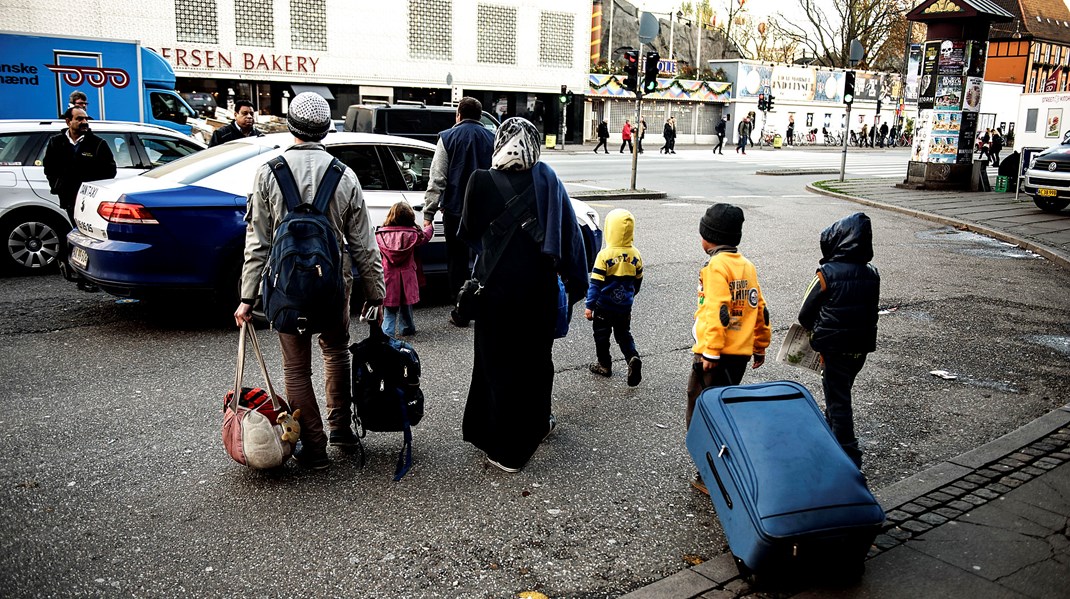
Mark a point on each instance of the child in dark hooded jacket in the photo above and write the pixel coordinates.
(398, 239)
(840, 311)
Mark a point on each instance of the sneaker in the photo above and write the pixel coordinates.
(344, 438)
(698, 484)
(502, 467)
(310, 460)
(635, 371)
(456, 320)
(553, 425)
(598, 369)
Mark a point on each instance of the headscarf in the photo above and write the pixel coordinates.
(516, 146)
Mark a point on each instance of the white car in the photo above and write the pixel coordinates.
(180, 227)
(32, 225)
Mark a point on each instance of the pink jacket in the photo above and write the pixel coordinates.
(400, 266)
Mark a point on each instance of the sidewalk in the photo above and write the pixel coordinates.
(993, 522)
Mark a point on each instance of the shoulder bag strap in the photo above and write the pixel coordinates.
(502, 228)
(285, 178)
(327, 185)
(247, 330)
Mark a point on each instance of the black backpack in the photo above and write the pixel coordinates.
(386, 390)
(303, 287)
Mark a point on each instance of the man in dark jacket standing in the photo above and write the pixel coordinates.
(840, 311)
(240, 127)
(463, 148)
(75, 156)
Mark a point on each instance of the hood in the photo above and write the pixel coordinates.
(397, 243)
(619, 228)
(849, 239)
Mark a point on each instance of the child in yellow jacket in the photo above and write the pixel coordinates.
(732, 320)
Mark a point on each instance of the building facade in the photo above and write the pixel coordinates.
(1033, 50)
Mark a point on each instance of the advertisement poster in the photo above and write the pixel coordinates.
(913, 73)
(753, 79)
(944, 128)
(927, 89)
(975, 55)
(949, 93)
(829, 86)
(967, 135)
(794, 83)
(952, 58)
(971, 99)
(1055, 121)
(922, 129)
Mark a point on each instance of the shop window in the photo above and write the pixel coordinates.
(254, 23)
(308, 24)
(556, 36)
(431, 29)
(1031, 120)
(196, 21)
(497, 34)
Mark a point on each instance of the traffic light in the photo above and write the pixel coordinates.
(650, 72)
(568, 97)
(769, 102)
(631, 70)
(849, 87)
(761, 102)
(563, 98)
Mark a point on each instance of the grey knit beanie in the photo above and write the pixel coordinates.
(309, 117)
(722, 224)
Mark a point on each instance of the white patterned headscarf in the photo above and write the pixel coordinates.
(516, 146)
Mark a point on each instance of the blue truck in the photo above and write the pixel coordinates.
(122, 80)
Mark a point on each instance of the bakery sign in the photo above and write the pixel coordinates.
(251, 62)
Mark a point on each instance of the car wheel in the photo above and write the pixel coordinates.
(1049, 205)
(33, 242)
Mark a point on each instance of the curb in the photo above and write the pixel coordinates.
(1049, 253)
(798, 171)
(639, 194)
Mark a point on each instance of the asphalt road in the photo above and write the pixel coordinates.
(115, 482)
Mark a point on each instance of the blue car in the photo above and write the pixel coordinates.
(180, 227)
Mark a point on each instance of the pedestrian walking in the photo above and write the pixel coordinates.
(241, 127)
(863, 139)
(398, 238)
(732, 320)
(309, 120)
(603, 137)
(666, 134)
(790, 132)
(461, 149)
(884, 134)
(616, 278)
(508, 411)
(641, 135)
(743, 130)
(721, 130)
(840, 311)
(672, 142)
(626, 136)
(996, 147)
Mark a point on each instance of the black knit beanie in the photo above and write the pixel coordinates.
(722, 224)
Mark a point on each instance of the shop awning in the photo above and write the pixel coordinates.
(319, 89)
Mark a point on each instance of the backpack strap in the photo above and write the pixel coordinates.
(329, 182)
(288, 186)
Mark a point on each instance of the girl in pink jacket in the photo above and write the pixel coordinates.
(398, 239)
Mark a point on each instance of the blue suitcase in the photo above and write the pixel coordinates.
(788, 497)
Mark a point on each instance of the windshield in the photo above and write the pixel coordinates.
(195, 167)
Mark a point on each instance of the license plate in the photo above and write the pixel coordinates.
(79, 258)
(1051, 193)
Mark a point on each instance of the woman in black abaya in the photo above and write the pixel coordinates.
(508, 412)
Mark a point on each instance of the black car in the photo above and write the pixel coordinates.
(1048, 178)
(412, 120)
(203, 103)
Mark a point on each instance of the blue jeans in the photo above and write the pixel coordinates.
(400, 315)
(618, 325)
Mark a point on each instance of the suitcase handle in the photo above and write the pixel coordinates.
(717, 477)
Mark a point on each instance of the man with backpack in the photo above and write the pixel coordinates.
(294, 263)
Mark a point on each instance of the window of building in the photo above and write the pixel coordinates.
(431, 29)
(1031, 120)
(308, 24)
(555, 38)
(196, 21)
(254, 23)
(497, 34)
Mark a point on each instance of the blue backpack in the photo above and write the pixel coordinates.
(303, 288)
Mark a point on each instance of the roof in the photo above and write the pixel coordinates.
(1041, 19)
(932, 10)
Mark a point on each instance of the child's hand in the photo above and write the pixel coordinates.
(759, 359)
(588, 314)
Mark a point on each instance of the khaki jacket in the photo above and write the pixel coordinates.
(267, 207)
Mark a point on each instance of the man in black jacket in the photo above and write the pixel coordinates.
(75, 156)
(241, 127)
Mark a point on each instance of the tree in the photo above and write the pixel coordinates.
(755, 40)
(826, 28)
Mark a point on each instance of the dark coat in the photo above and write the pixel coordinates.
(68, 166)
(229, 133)
(469, 146)
(840, 308)
(603, 130)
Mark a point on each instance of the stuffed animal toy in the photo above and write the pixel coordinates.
(291, 429)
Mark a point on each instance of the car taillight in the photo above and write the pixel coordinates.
(121, 212)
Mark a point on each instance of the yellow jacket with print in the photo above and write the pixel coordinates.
(732, 318)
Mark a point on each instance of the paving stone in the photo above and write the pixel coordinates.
(1045, 447)
(1013, 463)
(885, 542)
(953, 491)
(874, 551)
(932, 518)
(912, 508)
(988, 473)
(1058, 455)
(997, 488)
(1030, 451)
(898, 515)
(1022, 476)
(1023, 457)
(899, 534)
(960, 505)
(940, 497)
(975, 478)
(1000, 468)
(915, 526)
(965, 484)
(949, 513)
(1051, 460)
(1007, 481)
(926, 502)
(1033, 470)
(1045, 464)
(986, 493)
(974, 499)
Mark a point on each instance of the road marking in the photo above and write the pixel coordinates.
(677, 204)
(587, 186)
(693, 197)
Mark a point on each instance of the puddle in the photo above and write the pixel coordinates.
(984, 247)
(1057, 342)
(1003, 386)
